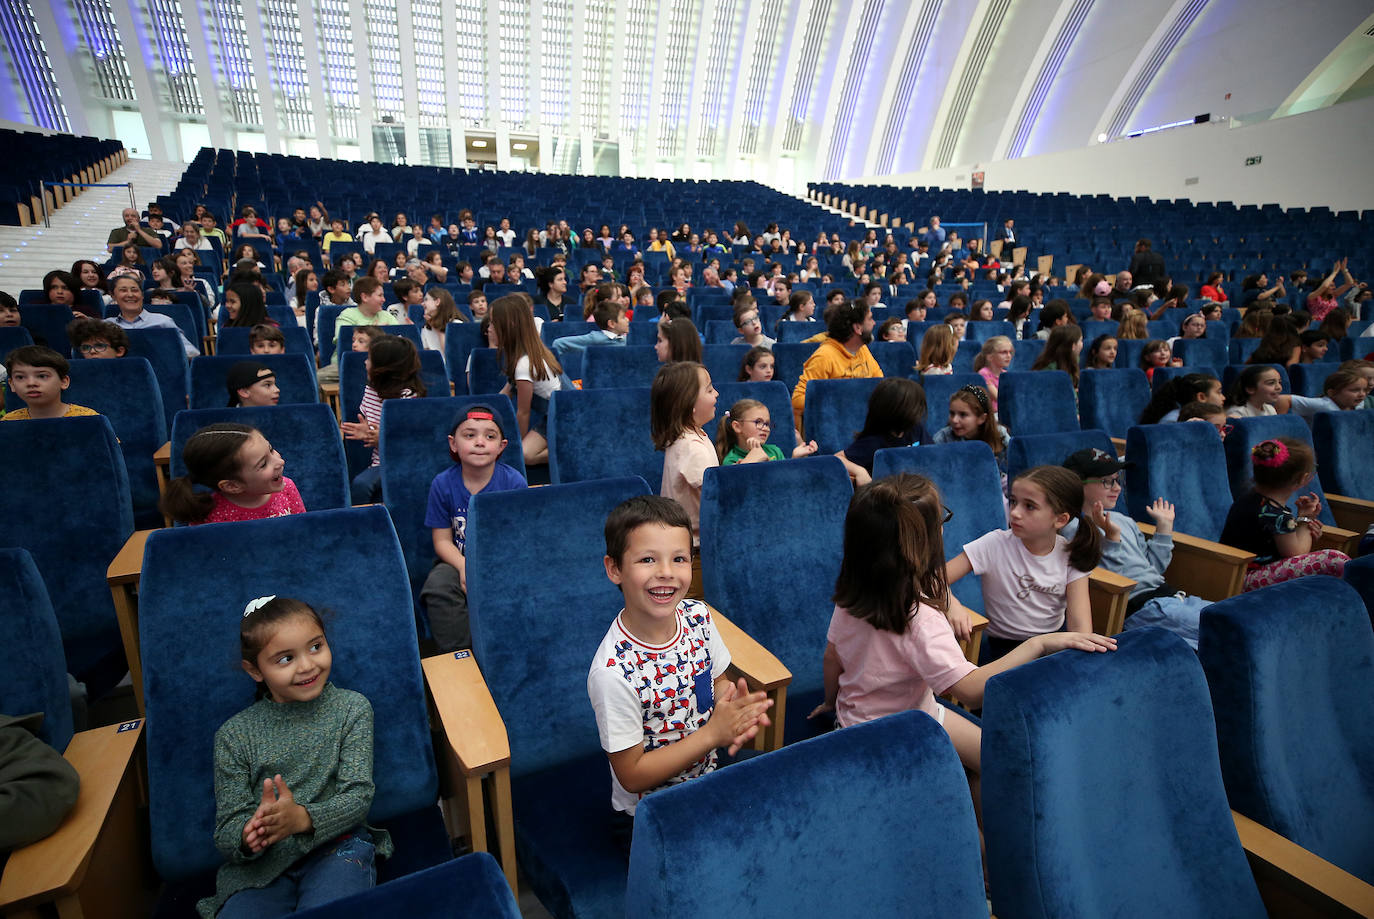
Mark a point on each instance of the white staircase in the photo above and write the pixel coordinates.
(79, 228)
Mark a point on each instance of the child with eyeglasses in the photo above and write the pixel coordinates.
(742, 436)
(1127, 552)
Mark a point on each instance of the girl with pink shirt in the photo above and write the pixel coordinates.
(682, 402)
(890, 647)
(994, 358)
(242, 472)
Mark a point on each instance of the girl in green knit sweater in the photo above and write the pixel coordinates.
(293, 775)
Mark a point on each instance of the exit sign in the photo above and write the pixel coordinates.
(1253, 160)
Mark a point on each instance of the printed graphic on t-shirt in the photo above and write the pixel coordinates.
(1026, 583)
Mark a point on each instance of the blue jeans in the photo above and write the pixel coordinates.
(367, 486)
(339, 869)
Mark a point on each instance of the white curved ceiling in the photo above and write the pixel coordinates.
(780, 90)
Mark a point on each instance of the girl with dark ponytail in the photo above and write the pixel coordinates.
(240, 476)
(1178, 392)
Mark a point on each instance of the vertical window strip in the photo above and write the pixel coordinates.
(556, 64)
(634, 109)
(595, 64)
(338, 67)
(282, 33)
(30, 57)
(514, 38)
(676, 109)
(471, 55)
(169, 27)
(761, 74)
(107, 51)
(384, 42)
(715, 77)
(237, 61)
(813, 46)
(429, 63)
(855, 73)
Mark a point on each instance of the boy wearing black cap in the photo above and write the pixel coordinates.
(251, 383)
(1126, 551)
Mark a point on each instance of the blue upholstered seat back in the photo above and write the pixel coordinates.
(1184, 464)
(164, 351)
(789, 359)
(1359, 574)
(1342, 441)
(1202, 352)
(723, 362)
(969, 483)
(12, 337)
(1051, 449)
(307, 437)
(1110, 399)
(1247, 432)
(47, 323)
(414, 449)
(196, 581)
(295, 377)
(471, 887)
(235, 340)
(1129, 351)
(772, 394)
(353, 382)
(66, 500)
(1036, 402)
(1300, 769)
(485, 375)
(459, 340)
(602, 434)
(892, 789)
(938, 388)
(538, 615)
(772, 535)
(896, 358)
(34, 678)
(1165, 844)
(607, 368)
(981, 330)
(1307, 379)
(835, 411)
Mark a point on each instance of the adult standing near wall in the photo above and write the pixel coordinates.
(1147, 265)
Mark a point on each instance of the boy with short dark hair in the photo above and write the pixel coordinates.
(39, 375)
(408, 293)
(9, 311)
(477, 305)
(657, 682)
(252, 384)
(612, 328)
(266, 339)
(95, 338)
(336, 234)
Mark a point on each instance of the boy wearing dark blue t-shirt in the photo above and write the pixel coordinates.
(475, 443)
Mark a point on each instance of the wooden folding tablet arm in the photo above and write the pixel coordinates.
(1204, 568)
(761, 671)
(1353, 514)
(1295, 882)
(474, 753)
(96, 863)
(123, 575)
(1108, 594)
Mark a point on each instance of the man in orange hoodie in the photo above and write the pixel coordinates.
(844, 354)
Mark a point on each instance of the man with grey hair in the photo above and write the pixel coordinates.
(132, 233)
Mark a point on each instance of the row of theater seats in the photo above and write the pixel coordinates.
(32, 159)
(892, 791)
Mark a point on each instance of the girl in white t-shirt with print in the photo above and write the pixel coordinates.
(1034, 580)
(533, 374)
(890, 647)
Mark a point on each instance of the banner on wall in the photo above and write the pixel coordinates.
(977, 180)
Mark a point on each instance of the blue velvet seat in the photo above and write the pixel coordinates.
(68, 503)
(1029, 450)
(964, 355)
(789, 359)
(326, 331)
(1202, 352)
(579, 422)
(835, 411)
(1342, 441)
(234, 340)
(772, 394)
(893, 789)
(969, 483)
(295, 377)
(1036, 402)
(1129, 351)
(1359, 574)
(1165, 845)
(938, 389)
(47, 323)
(1231, 371)
(485, 376)
(981, 330)
(12, 337)
(1185, 464)
(163, 350)
(787, 520)
(607, 368)
(191, 599)
(414, 449)
(307, 437)
(896, 358)
(459, 340)
(533, 645)
(34, 677)
(1240, 349)
(720, 331)
(1025, 354)
(345, 335)
(1301, 770)
(723, 362)
(792, 333)
(353, 382)
(1307, 379)
(1093, 328)
(471, 887)
(1111, 400)
(126, 392)
(1246, 433)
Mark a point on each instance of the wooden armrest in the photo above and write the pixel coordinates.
(753, 660)
(974, 645)
(1351, 513)
(1119, 443)
(162, 456)
(127, 566)
(467, 712)
(1296, 882)
(98, 840)
(1339, 539)
(1204, 568)
(1108, 593)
